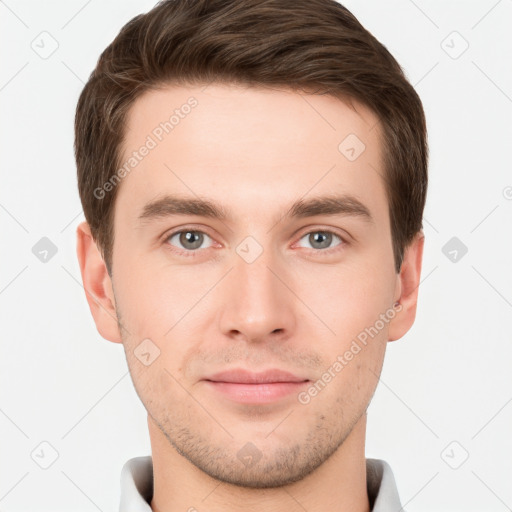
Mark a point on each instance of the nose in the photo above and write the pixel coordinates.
(257, 302)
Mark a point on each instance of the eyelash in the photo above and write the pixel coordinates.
(194, 253)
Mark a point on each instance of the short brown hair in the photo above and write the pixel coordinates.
(306, 45)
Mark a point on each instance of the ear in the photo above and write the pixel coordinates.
(407, 285)
(97, 284)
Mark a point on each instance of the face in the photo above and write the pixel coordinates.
(264, 287)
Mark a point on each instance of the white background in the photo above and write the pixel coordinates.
(449, 379)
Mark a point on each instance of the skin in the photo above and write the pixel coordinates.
(296, 308)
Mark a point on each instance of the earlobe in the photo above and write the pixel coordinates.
(97, 284)
(408, 284)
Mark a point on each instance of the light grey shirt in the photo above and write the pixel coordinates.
(137, 486)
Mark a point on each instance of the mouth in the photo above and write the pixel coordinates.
(248, 387)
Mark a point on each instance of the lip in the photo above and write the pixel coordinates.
(241, 376)
(248, 387)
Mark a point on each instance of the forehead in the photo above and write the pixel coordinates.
(251, 148)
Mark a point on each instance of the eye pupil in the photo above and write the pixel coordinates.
(314, 237)
(191, 237)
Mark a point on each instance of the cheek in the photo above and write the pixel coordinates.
(151, 301)
(159, 305)
(349, 301)
(346, 298)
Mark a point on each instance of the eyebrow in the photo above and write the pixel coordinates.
(170, 205)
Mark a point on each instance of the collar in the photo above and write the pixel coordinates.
(137, 486)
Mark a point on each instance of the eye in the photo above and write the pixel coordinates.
(322, 239)
(189, 240)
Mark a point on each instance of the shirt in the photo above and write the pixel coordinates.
(137, 486)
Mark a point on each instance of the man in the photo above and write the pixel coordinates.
(253, 176)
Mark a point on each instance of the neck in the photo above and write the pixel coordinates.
(337, 485)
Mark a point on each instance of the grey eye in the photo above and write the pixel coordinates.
(189, 239)
(321, 239)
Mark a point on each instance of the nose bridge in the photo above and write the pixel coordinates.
(257, 301)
